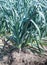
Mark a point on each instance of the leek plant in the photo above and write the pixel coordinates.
(25, 23)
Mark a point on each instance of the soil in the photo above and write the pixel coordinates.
(25, 58)
(28, 59)
(22, 58)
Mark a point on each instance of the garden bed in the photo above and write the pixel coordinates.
(22, 58)
(25, 57)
